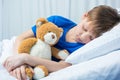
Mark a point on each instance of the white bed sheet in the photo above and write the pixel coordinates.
(6, 48)
(5, 51)
(106, 67)
(4, 75)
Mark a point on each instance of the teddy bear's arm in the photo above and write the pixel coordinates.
(55, 52)
(59, 54)
(26, 45)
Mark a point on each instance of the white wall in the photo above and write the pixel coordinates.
(0, 19)
(20, 15)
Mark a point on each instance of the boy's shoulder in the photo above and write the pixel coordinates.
(58, 18)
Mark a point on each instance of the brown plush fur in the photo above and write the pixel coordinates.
(44, 69)
(26, 45)
(55, 51)
(29, 72)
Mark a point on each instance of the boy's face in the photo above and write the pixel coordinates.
(85, 31)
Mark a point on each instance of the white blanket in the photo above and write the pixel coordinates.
(4, 75)
(5, 50)
(106, 67)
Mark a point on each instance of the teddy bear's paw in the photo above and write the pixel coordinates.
(29, 73)
(40, 72)
(63, 54)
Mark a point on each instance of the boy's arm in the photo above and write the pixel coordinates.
(20, 59)
(21, 37)
(51, 65)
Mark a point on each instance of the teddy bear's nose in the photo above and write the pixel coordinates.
(53, 36)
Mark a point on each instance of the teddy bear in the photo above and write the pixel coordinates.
(47, 35)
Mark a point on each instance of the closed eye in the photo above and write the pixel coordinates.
(91, 38)
(49, 31)
(84, 29)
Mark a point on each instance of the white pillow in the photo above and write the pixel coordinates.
(102, 45)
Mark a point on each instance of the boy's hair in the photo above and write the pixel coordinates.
(104, 18)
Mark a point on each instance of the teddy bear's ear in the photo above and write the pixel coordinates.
(41, 21)
(61, 30)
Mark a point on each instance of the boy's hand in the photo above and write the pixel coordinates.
(14, 61)
(19, 73)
